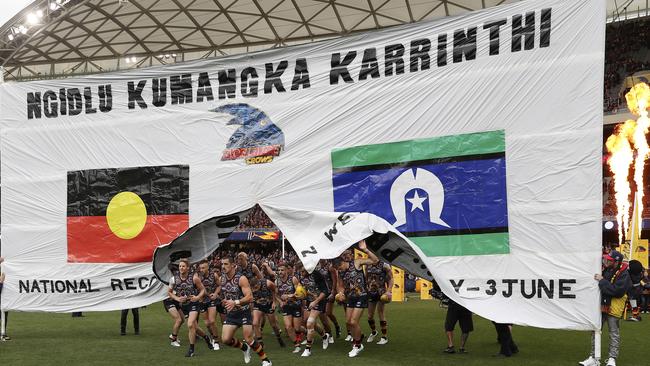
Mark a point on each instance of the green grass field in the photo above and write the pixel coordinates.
(415, 331)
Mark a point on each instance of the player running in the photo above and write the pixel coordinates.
(237, 299)
(188, 291)
(352, 288)
(315, 299)
(264, 294)
(380, 285)
(210, 282)
(286, 285)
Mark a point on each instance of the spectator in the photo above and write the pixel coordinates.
(645, 299)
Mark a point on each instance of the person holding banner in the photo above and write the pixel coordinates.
(352, 289)
(188, 290)
(380, 286)
(210, 282)
(286, 285)
(237, 299)
(614, 284)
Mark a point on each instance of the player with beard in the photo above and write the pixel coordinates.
(316, 298)
(237, 299)
(380, 283)
(264, 294)
(210, 282)
(188, 291)
(289, 305)
(352, 288)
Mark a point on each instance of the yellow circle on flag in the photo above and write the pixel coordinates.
(126, 215)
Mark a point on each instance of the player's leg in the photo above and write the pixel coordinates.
(372, 305)
(276, 329)
(383, 323)
(254, 345)
(211, 324)
(192, 326)
(329, 309)
(178, 318)
(311, 325)
(291, 332)
(258, 315)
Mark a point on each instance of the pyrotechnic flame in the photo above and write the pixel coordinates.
(637, 101)
(622, 155)
(619, 163)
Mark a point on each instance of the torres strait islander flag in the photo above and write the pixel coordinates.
(121, 215)
(446, 194)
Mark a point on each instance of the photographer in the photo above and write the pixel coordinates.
(614, 284)
(455, 314)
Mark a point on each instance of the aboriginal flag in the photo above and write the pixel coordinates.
(121, 215)
(447, 194)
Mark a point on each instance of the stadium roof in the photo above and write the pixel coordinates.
(56, 38)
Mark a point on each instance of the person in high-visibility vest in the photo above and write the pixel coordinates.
(614, 284)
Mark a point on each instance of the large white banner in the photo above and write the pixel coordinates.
(466, 149)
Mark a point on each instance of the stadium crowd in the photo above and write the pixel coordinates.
(627, 52)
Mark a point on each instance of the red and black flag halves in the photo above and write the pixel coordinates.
(121, 215)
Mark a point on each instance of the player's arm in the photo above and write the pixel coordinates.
(217, 288)
(268, 269)
(296, 283)
(340, 289)
(199, 285)
(372, 258)
(334, 275)
(246, 289)
(170, 291)
(390, 282)
(256, 271)
(274, 291)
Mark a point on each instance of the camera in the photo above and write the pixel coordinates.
(437, 294)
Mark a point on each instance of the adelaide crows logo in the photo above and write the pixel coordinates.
(257, 140)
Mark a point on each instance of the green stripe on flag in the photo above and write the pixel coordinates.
(421, 149)
(458, 245)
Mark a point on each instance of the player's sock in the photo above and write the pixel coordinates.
(174, 336)
(373, 326)
(384, 328)
(260, 341)
(192, 347)
(235, 343)
(309, 343)
(357, 342)
(259, 349)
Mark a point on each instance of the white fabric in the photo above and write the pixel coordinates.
(546, 100)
